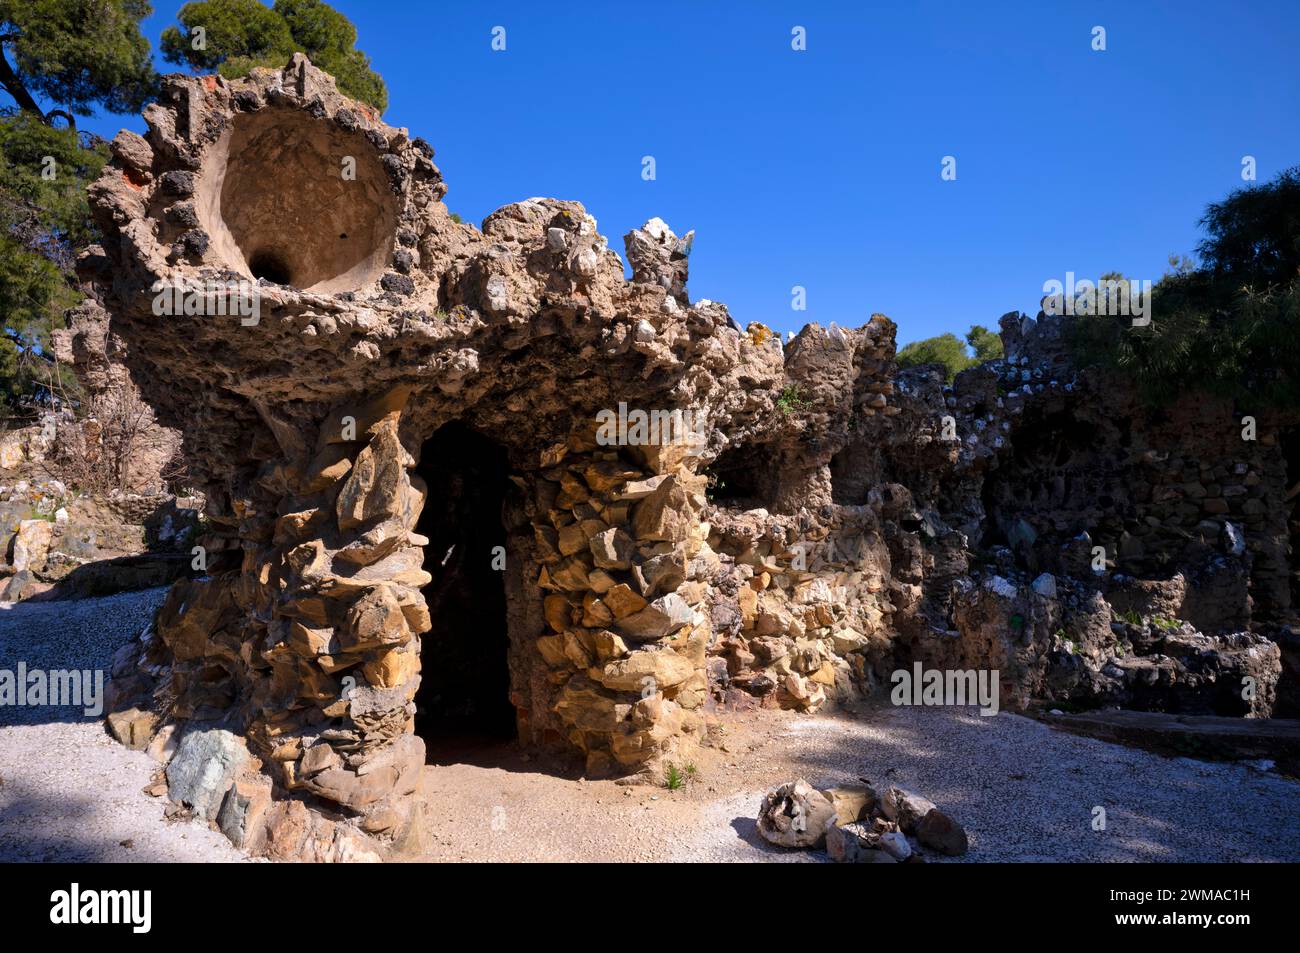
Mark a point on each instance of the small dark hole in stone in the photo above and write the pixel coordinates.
(269, 265)
(343, 235)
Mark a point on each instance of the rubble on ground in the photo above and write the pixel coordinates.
(856, 824)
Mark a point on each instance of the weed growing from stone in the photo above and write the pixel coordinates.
(791, 400)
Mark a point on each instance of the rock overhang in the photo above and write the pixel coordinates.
(256, 180)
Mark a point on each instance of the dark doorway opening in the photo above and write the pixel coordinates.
(464, 696)
(740, 477)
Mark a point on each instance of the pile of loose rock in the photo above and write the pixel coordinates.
(857, 825)
(77, 544)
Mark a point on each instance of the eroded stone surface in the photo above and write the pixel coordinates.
(816, 519)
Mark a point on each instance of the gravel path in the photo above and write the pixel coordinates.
(69, 792)
(1024, 792)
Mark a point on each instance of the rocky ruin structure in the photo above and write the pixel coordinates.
(434, 503)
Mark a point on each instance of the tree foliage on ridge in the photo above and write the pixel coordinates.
(239, 35)
(1230, 327)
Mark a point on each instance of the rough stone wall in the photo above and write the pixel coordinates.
(969, 542)
(303, 427)
(824, 525)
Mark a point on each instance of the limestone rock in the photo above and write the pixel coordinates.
(31, 545)
(895, 844)
(795, 815)
(133, 727)
(904, 808)
(660, 618)
(203, 769)
(659, 669)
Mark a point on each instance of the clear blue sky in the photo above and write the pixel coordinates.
(822, 168)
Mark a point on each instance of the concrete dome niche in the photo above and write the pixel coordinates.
(275, 201)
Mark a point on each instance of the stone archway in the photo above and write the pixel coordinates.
(464, 693)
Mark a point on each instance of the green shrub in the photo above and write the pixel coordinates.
(791, 399)
(950, 351)
(1230, 327)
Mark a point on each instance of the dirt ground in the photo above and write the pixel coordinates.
(1024, 792)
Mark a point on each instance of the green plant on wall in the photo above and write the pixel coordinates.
(791, 400)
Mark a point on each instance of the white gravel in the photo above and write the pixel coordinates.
(1023, 791)
(69, 792)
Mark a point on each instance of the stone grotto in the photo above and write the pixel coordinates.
(414, 526)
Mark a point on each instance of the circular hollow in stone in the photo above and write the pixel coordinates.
(275, 202)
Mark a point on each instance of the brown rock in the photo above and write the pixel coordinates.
(317, 758)
(375, 619)
(328, 467)
(604, 475)
(133, 727)
(392, 668)
(394, 769)
(640, 489)
(623, 602)
(660, 618)
(612, 549)
(595, 614)
(377, 485)
(572, 539)
(208, 608)
(647, 670)
(851, 802)
(383, 410)
(551, 648)
(938, 831)
(608, 646)
(558, 612)
(666, 514)
(570, 575)
(855, 843)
